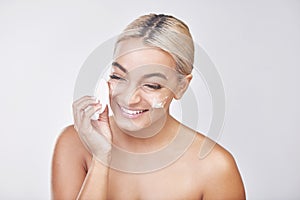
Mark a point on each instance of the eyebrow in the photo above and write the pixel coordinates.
(155, 74)
(116, 64)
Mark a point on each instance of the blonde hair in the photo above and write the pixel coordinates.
(167, 33)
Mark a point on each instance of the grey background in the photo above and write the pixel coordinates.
(254, 45)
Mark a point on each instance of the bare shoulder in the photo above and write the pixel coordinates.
(69, 164)
(216, 156)
(68, 142)
(220, 171)
(216, 169)
(68, 134)
(209, 152)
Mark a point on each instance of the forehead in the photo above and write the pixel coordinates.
(132, 54)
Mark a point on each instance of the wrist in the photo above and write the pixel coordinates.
(102, 160)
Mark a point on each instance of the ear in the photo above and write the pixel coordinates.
(182, 86)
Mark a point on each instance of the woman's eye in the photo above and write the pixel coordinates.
(153, 86)
(115, 77)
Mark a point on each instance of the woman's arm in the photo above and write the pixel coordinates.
(70, 179)
(95, 183)
(69, 167)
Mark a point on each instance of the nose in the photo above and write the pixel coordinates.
(133, 96)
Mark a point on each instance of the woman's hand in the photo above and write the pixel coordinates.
(95, 134)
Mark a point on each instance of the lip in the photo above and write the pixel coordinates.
(132, 113)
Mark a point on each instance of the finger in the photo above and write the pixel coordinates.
(88, 113)
(76, 106)
(78, 101)
(86, 119)
(78, 110)
(104, 125)
(104, 116)
(81, 103)
(77, 118)
(82, 106)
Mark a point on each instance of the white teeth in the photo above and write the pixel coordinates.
(132, 112)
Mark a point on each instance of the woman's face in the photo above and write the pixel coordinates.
(142, 83)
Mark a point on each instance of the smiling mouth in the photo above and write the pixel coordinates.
(133, 112)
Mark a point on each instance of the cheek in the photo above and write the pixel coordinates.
(111, 91)
(159, 100)
(115, 89)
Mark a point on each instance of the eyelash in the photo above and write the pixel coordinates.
(115, 77)
(154, 87)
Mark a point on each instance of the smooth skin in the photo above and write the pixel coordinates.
(77, 174)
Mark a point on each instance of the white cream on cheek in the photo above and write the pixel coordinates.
(159, 103)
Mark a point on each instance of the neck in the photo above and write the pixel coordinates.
(134, 144)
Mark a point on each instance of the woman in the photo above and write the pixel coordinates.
(153, 61)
